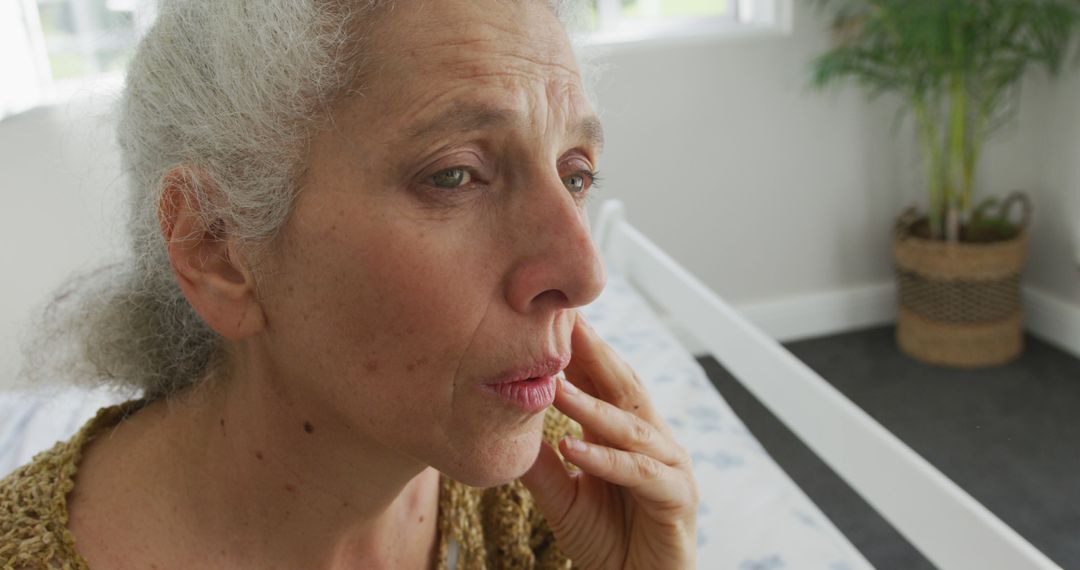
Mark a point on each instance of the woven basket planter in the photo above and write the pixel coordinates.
(959, 303)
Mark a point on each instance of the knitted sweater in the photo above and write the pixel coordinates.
(498, 527)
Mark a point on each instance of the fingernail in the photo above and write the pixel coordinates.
(576, 445)
(569, 387)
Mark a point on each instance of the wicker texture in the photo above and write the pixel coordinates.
(960, 346)
(498, 527)
(959, 303)
(966, 261)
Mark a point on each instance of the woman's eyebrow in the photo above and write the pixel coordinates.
(590, 131)
(461, 117)
(465, 116)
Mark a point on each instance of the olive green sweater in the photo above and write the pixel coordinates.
(498, 527)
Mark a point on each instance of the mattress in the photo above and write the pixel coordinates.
(752, 516)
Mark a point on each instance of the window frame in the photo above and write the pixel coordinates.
(746, 17)
(54, 90)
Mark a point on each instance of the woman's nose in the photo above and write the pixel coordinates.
(558, 265)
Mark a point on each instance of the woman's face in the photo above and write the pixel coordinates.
(440, 238)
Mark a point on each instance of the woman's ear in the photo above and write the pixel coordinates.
(206, 261)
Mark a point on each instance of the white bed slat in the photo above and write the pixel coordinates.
(950, 528)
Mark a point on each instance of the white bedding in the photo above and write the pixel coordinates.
(752, 516)
(31, 422)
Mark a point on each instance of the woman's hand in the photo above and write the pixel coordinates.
(634, 504)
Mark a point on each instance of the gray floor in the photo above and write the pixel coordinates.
(1009, 435)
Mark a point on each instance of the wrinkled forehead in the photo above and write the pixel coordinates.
(526, 28)
(496, 53)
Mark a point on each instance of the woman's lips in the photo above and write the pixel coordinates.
(531, 396)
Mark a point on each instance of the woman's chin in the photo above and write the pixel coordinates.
(498, 461)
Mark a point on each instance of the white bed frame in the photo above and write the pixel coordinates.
(949, 527)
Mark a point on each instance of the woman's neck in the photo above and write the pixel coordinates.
(254, 473)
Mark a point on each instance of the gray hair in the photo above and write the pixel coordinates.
(226, 94)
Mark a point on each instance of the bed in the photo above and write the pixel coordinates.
(752, 515)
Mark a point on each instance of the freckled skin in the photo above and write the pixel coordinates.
(399, 305)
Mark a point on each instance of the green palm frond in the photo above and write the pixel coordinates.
(958, 64)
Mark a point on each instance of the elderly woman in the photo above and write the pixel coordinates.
(359, 240)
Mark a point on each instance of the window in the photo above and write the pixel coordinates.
(618, 21)
(60, 47)
(87, 38)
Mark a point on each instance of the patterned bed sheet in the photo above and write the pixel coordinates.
(751, 517)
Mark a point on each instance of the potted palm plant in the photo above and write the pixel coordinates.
(957, 66)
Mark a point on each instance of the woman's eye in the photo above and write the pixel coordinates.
(450, 178)
(579, 182)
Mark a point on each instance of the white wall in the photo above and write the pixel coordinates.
(59, 179)
(760, 185)
(1051, 128)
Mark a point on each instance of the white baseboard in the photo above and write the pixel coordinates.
(1052, 319)
(820, 314)
(811, 315)
(817, 314)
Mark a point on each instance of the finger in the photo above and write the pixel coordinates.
(616, 427)
(552, 487)
(582, 381)
(646, 477)
(597, 365)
